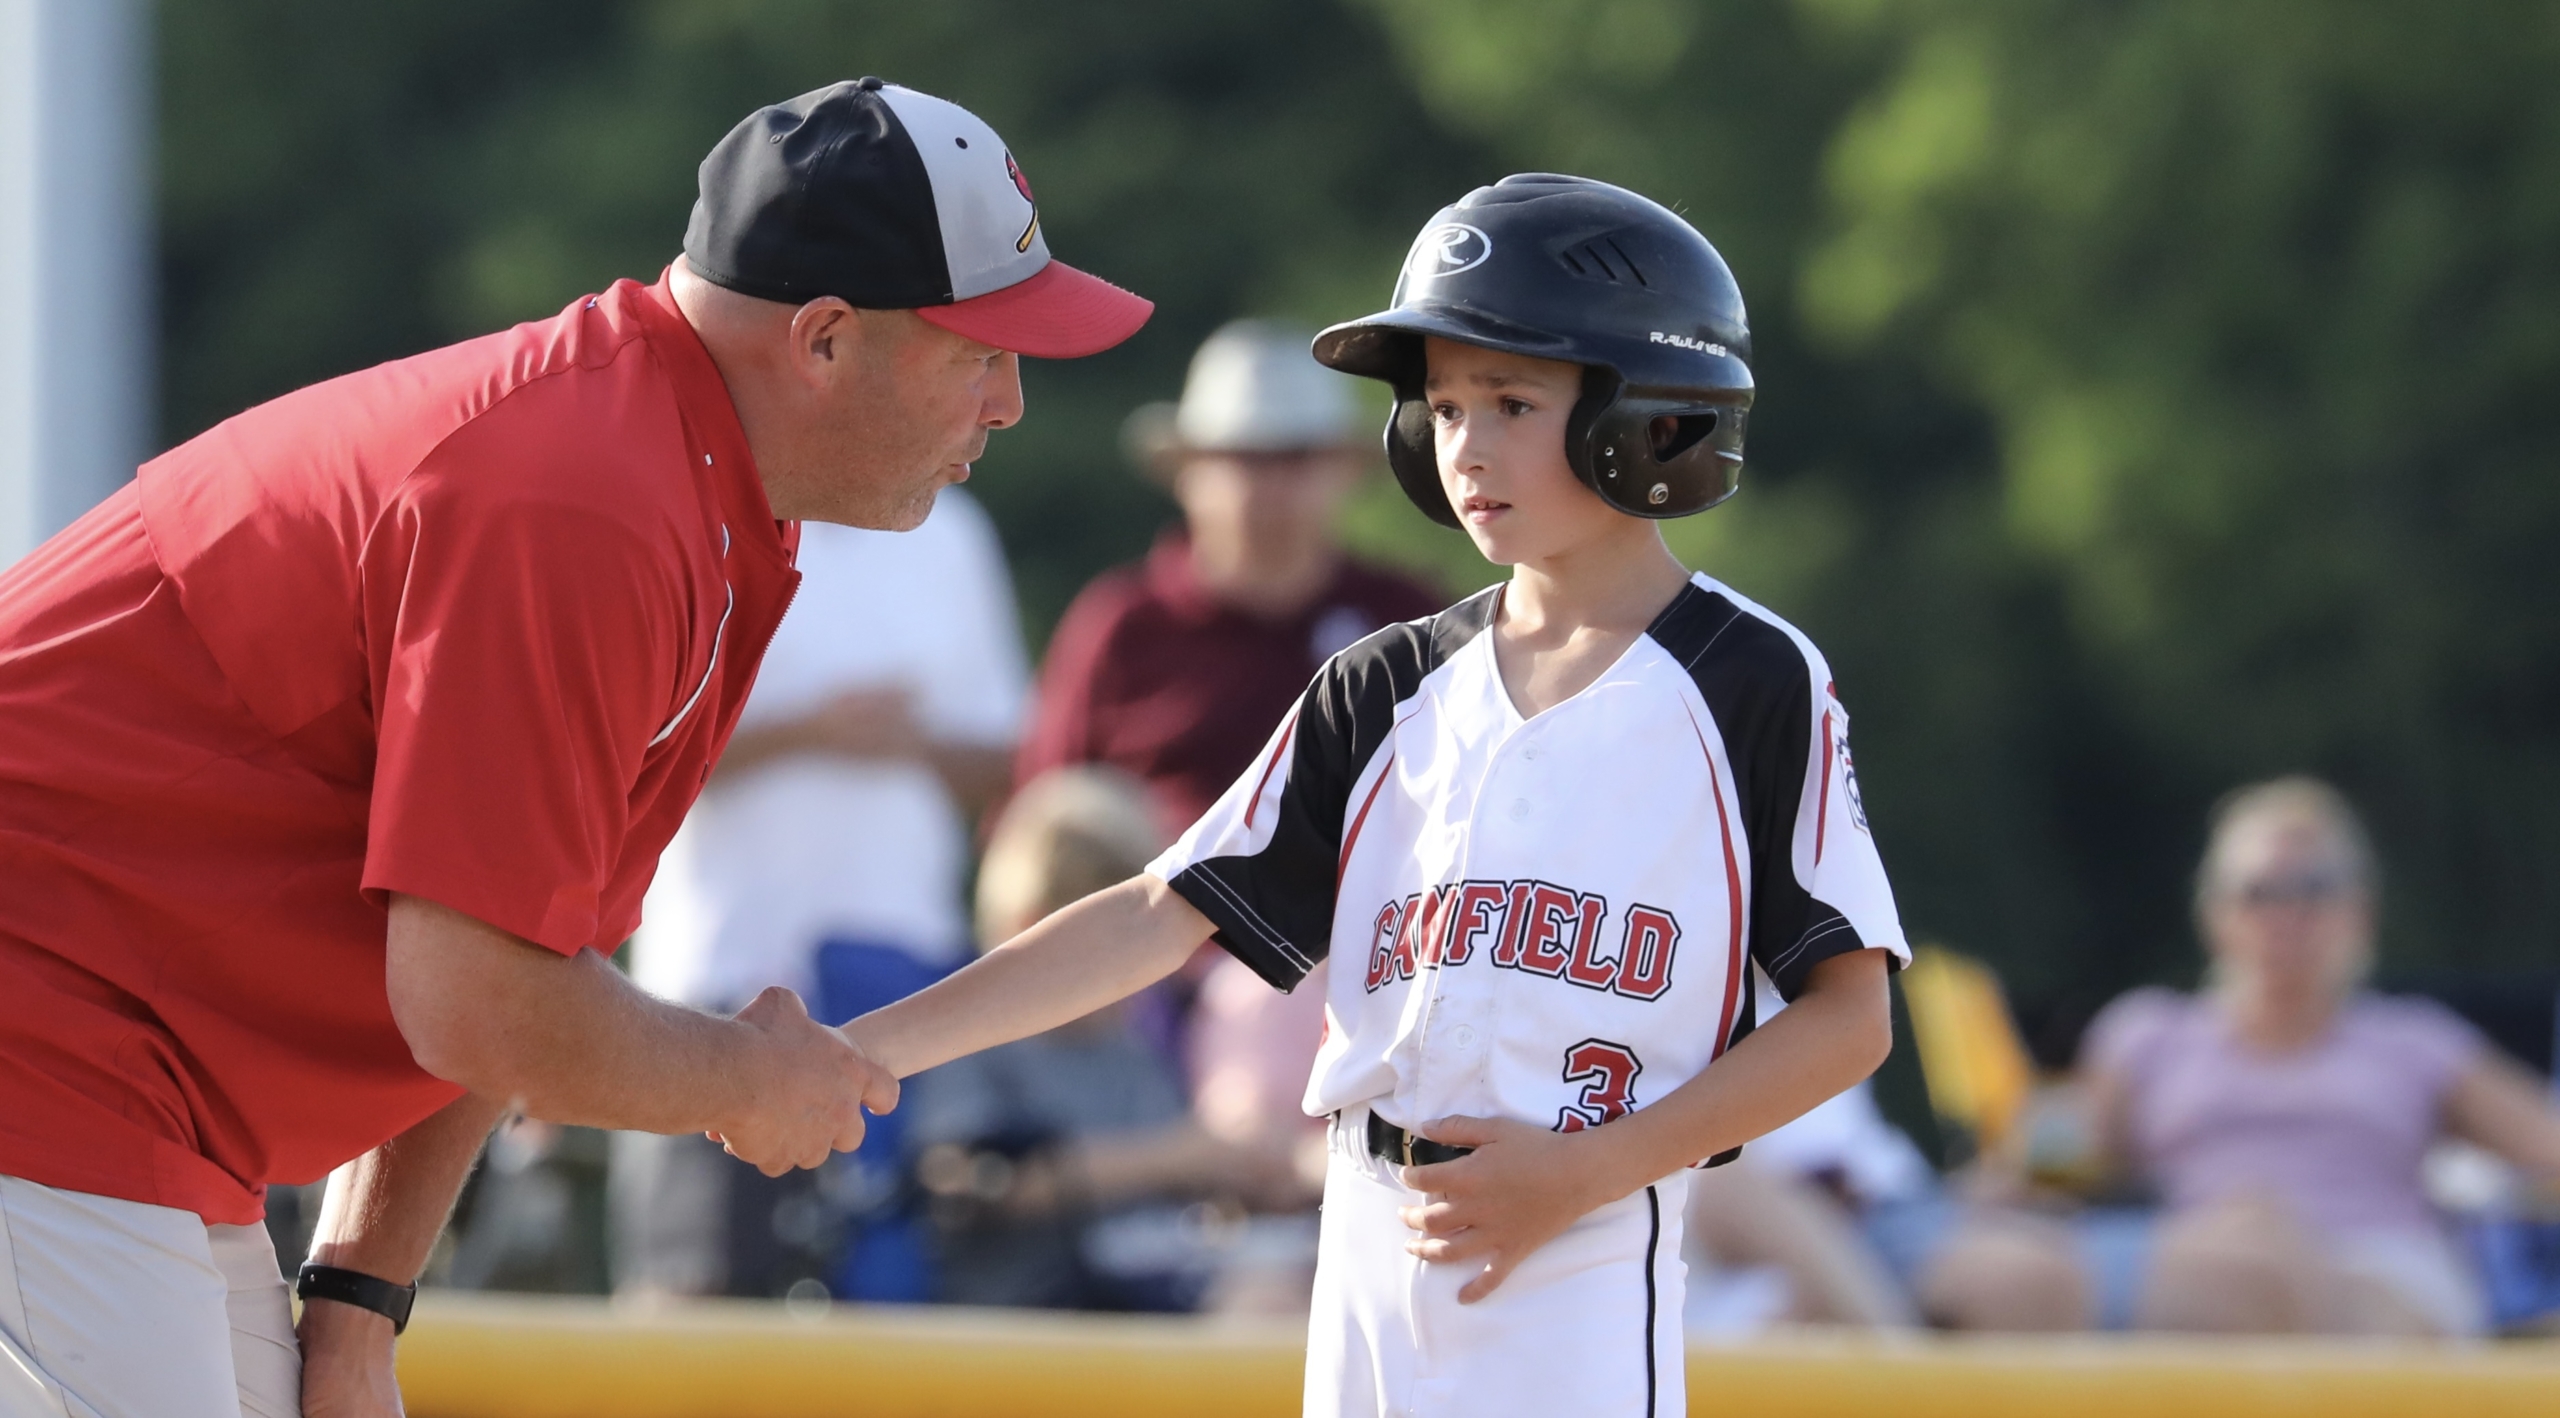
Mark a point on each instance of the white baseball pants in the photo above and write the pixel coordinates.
(1588, 1325)
(120, 1309)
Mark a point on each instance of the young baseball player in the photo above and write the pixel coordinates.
(1545, 838)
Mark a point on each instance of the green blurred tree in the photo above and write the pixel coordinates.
(2264, 304)
(342, 186)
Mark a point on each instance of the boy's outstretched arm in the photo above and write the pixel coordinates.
(1525, 1184)
(1106, 947)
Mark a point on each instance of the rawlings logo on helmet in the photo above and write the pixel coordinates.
(1447, 249)
(1686, 343)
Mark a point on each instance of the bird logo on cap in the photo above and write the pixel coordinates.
(1022, 185)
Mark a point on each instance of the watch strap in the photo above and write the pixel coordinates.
(354, 1287)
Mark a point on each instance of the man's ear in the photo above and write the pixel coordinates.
(824, 333)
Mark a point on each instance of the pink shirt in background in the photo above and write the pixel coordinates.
(1251, 1050)
(2337, 1130)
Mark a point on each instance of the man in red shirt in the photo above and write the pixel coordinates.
(337, 749)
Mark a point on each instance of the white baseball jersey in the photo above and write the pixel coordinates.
(1551, 919)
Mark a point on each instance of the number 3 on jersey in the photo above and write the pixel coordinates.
(1607, 1073)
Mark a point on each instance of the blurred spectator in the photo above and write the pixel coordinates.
(828, 853)
(2283, 1114)
(1055, 1168)
(1178, 669)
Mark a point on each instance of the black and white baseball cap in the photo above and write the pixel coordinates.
(890, 199)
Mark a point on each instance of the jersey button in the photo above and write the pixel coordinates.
(1463, 1036)
(1519, 809)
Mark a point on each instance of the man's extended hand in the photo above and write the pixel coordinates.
(876, 722)
(810, 1089)
(346, 1363)
(1520, 1189)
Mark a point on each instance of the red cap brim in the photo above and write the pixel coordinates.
(1061, 313)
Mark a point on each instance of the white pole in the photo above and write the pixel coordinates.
(76, 346)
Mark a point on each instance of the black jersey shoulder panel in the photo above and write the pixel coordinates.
(1350, 710)
(1759, 687)
(1274, 908)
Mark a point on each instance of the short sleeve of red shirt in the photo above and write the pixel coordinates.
(518, 658)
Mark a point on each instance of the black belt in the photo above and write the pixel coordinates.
(1389, 1143)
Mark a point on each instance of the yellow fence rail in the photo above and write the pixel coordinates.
(489, 1357)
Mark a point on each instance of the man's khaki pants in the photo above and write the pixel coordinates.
(118, 1309)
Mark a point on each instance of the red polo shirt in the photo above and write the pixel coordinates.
(1150, 673)
(470, 626)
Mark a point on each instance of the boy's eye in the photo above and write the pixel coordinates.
(1515, 407)
(1444, 413)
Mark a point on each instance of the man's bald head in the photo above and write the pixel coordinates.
(853, 416)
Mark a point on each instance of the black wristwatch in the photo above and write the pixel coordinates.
(354, 1287)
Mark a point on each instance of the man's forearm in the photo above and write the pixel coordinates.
(756, 746)
(1104, 948)
(569, 1040)
(974, 774)
(381, 1217)
(383, 1211)
(566, 1039)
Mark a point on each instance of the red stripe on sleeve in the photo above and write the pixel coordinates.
(1352, 837)
(1288, 733)
(1734, 962)
(1822, 804)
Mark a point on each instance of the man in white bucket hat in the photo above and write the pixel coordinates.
(1172, 668)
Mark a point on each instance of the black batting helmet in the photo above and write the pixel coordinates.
(1566, 268)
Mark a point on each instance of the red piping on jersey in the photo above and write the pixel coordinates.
(1734, 966)
(1352, 838)
(1288, 731)
(1822, 809)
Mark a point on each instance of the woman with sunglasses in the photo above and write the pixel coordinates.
(2283, 1113)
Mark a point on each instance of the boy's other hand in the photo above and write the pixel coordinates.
(1519, 1189)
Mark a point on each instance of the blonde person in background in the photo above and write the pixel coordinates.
(1063, 1171)
(2283, 1112)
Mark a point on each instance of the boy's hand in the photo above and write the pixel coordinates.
(1520, 1189)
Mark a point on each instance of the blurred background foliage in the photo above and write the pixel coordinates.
(2148, 388)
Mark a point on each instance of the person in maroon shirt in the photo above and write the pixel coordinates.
(1177, 668)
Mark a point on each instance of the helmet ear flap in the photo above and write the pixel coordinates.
(1600, 388)
(1413, 454)
(1666, 453)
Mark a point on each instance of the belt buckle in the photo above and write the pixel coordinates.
(1408, 1145)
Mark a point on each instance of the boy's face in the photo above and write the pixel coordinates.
(1499, 422)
